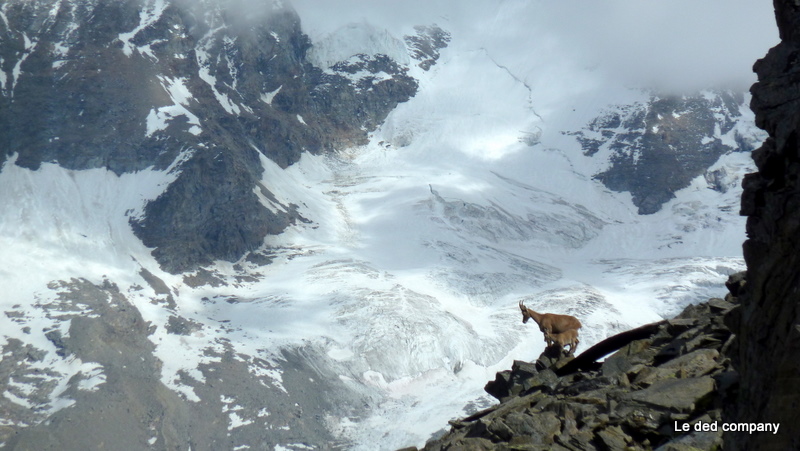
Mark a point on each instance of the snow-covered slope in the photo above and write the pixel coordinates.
(382, 314)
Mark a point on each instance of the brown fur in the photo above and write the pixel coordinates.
(550, 322)
(553, 326)
(564, 339)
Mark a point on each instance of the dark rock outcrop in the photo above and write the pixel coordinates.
(767, 323)
(657, 147)
(202, 87)
(672, 372)
(425, 45)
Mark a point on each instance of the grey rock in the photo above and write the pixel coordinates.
(736, 283)
(623, 360)
(426, 43)
(92, 106)
(580, 441)
(721, 305)
(668, 131)
(541, 429)
(695, 440)
(694, 364)
(680, 395)
(182, 326)
(544, 380)
(500, 429)
(716, 180)
(499, 387)
(766, 350)
(632, 402)
(613, 437)
(131, 408)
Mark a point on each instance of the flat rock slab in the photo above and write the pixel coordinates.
(720, 305)
(675, 394)
(696, 363)
(614, 438)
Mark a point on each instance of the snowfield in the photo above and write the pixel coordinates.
(419, 245)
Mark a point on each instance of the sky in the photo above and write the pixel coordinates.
(682, 45)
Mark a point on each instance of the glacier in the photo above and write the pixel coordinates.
(404, 281)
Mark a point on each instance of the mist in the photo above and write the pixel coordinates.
(678, 45)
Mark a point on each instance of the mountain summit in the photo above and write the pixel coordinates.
(202, 90)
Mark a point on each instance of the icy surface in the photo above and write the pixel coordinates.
(468, 199)
(354, 39)
(61, 224)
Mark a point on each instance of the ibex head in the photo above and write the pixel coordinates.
(525, 314)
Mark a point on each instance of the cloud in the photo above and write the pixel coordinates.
(677, 44)
(673, 44)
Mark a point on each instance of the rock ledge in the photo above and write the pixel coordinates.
(662, 376)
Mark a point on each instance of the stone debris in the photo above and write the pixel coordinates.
(670, 373)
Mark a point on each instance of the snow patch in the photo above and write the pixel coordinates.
(71, 220)
(17, 70)
(91, 378)
(3, 76)
(149, 15)
(275, 374)
(234, 420)
(269, 96)
(158, 118)
(204, 64)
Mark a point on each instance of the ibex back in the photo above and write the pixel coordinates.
(550, 323)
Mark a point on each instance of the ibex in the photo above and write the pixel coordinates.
(564, 339)
(551, 323)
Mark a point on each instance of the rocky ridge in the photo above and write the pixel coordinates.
(201, 89)
(206, 89)
(676, 371)
(767, 324)
(657, 147)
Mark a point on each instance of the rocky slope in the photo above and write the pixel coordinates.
(767, 325)
(657, 147)
(118, 397)
(745, 373)
(205, 89)
(202, 88)
(676, 371)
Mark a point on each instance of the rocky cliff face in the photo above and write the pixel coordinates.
(675, 371)
(210, 94)
(203, 89)
(767, 324)
(657, 147)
